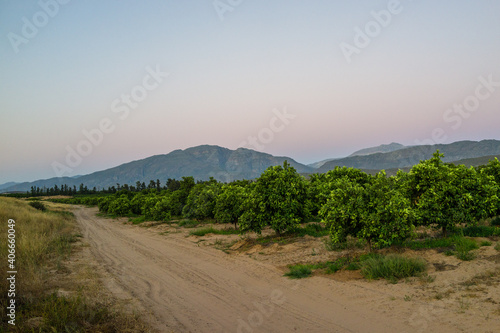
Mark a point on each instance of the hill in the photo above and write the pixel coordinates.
(366, 151)
(409, 156)
(201, 162)
(379, 149)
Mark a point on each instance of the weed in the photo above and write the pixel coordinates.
(392, 267)
(299, 271)
(481, 231)
(188, 223)
(311, 229)
(485, 243)
(138, 220)
(497, 247)
(211, 230)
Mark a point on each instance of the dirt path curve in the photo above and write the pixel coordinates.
(200, 289)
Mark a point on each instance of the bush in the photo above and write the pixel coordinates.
(38, 205)
(299, 272)
(392, 267)
(120, 206)
(279, 199)
(495, 222)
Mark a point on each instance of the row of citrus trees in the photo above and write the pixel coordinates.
(379, 209)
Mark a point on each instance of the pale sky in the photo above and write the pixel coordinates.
(306, 79)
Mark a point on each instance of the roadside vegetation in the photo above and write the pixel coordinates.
(45, 240)
(452, 203)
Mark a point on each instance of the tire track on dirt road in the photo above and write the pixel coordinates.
(200, 289)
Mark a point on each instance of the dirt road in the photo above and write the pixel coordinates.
(201, 289)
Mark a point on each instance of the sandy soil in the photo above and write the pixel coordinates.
(187, 284)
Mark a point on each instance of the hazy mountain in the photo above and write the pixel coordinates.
(7, 185)
(200, 162)
(379, 149)
(366, 151)
(321, 163)
(226, 165)
(413, 155)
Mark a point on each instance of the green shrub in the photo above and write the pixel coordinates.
(38, 205)
(392, 267)
(299, 271)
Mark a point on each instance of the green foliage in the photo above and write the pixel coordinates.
(38, 205)
(321, 185)
(445, 195)
(211, 230)
(480, 231)
(311, 229)
(376, 211)
(189, 223)
(200, 203)
(120, 206)
(392, 267)
(299, 272)
(278, 199)
(228, 206)
(429, 243)
(495, 222)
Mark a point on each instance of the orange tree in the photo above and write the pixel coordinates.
(278, 199)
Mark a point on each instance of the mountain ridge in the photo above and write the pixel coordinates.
(226, 165)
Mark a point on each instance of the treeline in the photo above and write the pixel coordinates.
(379, 209)
(64, 189)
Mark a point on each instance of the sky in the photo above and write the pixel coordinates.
(89, 85)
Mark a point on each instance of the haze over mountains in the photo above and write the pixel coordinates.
(227, 165)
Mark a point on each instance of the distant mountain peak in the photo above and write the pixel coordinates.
(385, 148)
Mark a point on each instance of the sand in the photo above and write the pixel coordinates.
(187, 284)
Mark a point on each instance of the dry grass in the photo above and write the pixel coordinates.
(48, 296)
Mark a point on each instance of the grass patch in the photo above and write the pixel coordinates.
(312, 229)
(138, 220)
(44, 240)
(38, 205)
(299, 271)
(481, 231)
(392, 267)
(485, 243)
(349, 244)
(430, 243)
(212, 230)
(188, 223)
(497, 247)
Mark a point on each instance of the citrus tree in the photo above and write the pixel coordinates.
(376, 211)
(444, 195)
(228, 205)
(278, 199)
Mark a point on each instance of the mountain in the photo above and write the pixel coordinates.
(200, 162)
(367, 151)
(379, 149)
(7, 185)
(410, 156)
